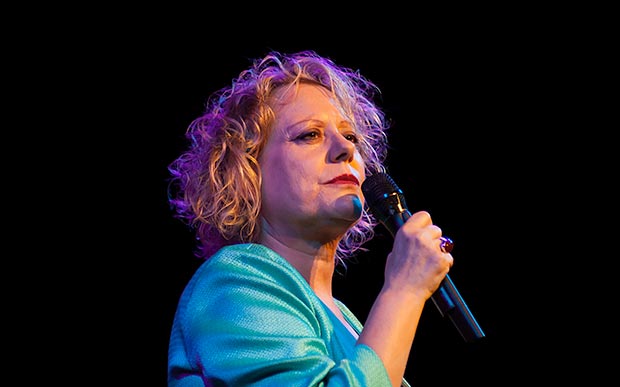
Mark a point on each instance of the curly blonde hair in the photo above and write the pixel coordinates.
(215, 184)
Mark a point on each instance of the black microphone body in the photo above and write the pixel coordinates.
(387, 203)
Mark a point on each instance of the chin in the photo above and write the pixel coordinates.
(358, 207)
(349, 208)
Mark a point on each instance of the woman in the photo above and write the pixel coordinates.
(271, 183)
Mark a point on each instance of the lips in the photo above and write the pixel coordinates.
(344, 179)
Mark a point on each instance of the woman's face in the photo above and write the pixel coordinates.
(312, 170)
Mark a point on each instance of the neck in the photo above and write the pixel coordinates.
(315, 262)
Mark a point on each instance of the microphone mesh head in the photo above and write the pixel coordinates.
(377, 190)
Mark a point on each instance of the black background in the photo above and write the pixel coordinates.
(484, 113)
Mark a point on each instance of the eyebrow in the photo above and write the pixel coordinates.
(341, 124)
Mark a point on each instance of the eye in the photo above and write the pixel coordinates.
(352, 137)
(309, 135)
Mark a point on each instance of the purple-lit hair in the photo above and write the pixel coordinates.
(215, 184)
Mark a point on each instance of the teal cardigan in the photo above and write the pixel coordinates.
(248, 318)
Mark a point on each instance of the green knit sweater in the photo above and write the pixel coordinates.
(248, 318)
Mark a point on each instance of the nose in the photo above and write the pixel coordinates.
(341, 149)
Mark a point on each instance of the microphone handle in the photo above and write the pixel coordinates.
(446, 298)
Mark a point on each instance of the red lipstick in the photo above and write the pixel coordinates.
(344, 179)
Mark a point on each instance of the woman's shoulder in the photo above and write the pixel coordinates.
(243, 274)
(248, 263)
(246, 256)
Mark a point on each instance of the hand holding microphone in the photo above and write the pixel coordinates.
(387, 203)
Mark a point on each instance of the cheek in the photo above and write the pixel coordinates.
(276, 172)
(287, 182)
(284, 166)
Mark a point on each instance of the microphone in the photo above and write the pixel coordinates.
(387, 203)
